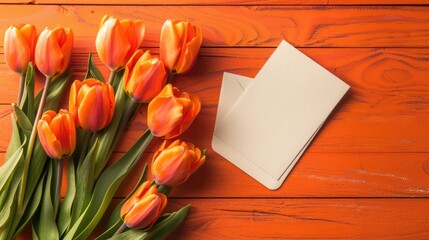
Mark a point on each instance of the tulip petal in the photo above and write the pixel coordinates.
(144, 213)
(172, 166)
(17, 50)
(164, 115)
(170, 43)
(48, 140)
(48, 54)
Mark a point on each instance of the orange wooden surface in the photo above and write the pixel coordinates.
(365, 175)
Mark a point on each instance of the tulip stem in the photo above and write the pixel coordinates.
(120, 229)
(170, 77)
(58, 185)
(21, 88)
(86, 138)
(31, 144)
(112, 77)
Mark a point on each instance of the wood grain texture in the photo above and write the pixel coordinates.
(304, 219)
(384, 111)
(224, 2)
(255, 26)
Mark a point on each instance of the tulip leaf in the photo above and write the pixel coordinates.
(115, 220)
(85, 181)
(55, 91)
(34, 205)
(64, 217)
(29, 92)
(8, 168)
(108, 134)
(106, 187)
(92, 71)
(45, 226)
(160, 230)
(15, 140)
(23, 120)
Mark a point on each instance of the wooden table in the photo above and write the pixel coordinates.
(365, 175)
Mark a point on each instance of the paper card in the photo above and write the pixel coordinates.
(232, 88)
(272, 122)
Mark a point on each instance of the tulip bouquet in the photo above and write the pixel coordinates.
(48, 139)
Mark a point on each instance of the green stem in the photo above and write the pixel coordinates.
(120, 229)
(112, 77)
(86, 138)
(31, 144)
(58, 185)
(21, 88)
(170, 77)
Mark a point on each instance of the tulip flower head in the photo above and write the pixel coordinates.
(173, 164)
(57, 133)
(179, 45)
(92, 104)
(117, 40)
(144, 207)
(19, 44)
(171, 112)
(144, 76)
(53, 51)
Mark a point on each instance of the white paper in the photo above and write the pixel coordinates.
(264, 124)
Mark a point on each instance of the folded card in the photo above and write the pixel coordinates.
(264, 124)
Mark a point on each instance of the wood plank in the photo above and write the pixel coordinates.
(385, 109)
(322, 175)
(304, 219)
(225, 2)
(311, 26)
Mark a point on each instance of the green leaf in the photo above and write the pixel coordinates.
(107, 135)
(93, 71)
(85, 181)
(159, 231)
(115, 220)
(9, 167)
(23, 120)
(55, 91)
(15, 140)
(32, 208)
(30, 78)
(46, 226)
(106, 187)
(64, 217)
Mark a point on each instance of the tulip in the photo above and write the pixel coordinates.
(91, 104)
(179, 45)
(19, 45)
(144, 207)
(173, 164)
(144, 76)
(57, 133)
(53, 51)
(170, 113)
(117, 40)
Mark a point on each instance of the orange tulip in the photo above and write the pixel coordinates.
(117, 40)
(172, 165)
(53, 51)
(57, 133)
(179, 45)
(19, 45)
(144, 76)
(144, 207)
(92, 104)
(170, 113)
